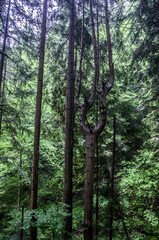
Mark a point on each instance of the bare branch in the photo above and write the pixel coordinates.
(102, 108)
(7, 35)
(4, 54)
(97, 9)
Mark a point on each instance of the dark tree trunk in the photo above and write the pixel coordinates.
(69, 124)
(97, 159)
(2, 99)
(88, 203)
(34, 180)
(97, 199)
(112, 183)
(20, 178)
(4, 46)
(122, 218)
(22, 220)
(2, 61)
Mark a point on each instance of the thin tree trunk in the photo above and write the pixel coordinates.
(97, 176)
(22, 220)
(20, 179)
(97, 159)
(81, 59)
(111, 65)
(122, 218)
(4, 46)
(2, 61)
(34, 182)
(69, 123)
(2, 97)
(97, 199)
(112, 183)
(88, 203)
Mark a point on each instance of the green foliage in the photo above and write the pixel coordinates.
(133, 101)
(49, 222)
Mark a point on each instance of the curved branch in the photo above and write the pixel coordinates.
(91, 100)
(102, 107)
(98, 69)
(82, 118)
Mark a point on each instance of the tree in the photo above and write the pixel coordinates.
(34, 182)
(91, 132)
(69, 125)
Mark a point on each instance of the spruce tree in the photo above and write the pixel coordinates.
(69, 128)
(34, 181)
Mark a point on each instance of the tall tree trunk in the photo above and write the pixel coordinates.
(112, 183)
(97, 152)
(34, 180)
(69, 123)
(97, 191)
(2, 61)
(88, 203)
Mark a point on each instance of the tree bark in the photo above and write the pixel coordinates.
(88, 203)
(69, 125)
(97, 170)
(34, 182)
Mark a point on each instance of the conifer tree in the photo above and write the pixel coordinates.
(91, 132)
(69, 127)
(35, 164)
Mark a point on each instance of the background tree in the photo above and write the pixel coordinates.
(69, 128)
(2, 62)
(34, 182)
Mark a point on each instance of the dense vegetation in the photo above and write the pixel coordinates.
(126, 167)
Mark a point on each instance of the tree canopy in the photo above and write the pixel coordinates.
(100, 82)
